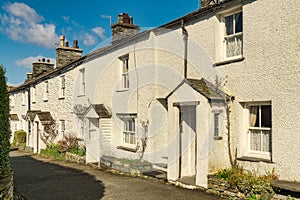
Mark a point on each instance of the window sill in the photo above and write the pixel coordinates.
(45, 100)
(123, 90)
(218, 137)
(33, 102)
(224, 62)
(81, 95)
(60, 98)
(254, 159)
(127, 149)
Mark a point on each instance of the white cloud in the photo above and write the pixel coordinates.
(99, 31)
(88, 39)
(27, 62)
(22, 23)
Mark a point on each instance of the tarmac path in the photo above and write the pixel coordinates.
(38, 178)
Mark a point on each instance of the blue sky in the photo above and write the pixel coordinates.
(29, 29)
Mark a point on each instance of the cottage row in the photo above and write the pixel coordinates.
(216, 85)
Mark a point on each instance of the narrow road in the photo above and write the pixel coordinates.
(39, 178)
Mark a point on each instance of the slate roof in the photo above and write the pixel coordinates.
(13, 117)
(45, 118)
(207, 89)
(101, 110)
(31, 114)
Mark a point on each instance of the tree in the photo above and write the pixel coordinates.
(4, 125)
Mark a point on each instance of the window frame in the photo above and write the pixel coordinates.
(33, 98)
(62, 92)
(82, 86)
(224, 35)
(129, 131)
(261, 153)
(124, 65)
(62, 126)
(46, 91)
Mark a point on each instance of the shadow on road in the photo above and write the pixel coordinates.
(35, 179)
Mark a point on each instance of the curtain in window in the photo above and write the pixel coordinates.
(253, 115)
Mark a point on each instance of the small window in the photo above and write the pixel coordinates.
(62, 87)
(62, 126)
(33, 89)
(233, 35)
(129, 131)
(46, 92)
(125, 68)
(82, 81)
(260, 128)
(216, 125)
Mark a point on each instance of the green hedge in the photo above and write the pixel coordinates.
(19, 138)
(4, 126)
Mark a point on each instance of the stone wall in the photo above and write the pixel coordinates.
(7, 188)
(75, 158)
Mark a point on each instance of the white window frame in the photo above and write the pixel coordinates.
(129, 132)
(33, 96)
(62, 92)
(261, 153)
(62, 126)
(82, 82)
(224, 37)
(124, 72)
(46, 90)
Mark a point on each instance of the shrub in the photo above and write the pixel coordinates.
(4, 126)
(52, 151)
(19, 138)
(68, 142)
(81, 151)
(249, 183)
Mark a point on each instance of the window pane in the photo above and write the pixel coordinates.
(229, 24)
(255, 140)
(238, 22)
(254, 116)
(266, 116)
(266, 141)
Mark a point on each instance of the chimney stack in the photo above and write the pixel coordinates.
(124, 27)
(40, 67)
(29, 77)
(66, 54)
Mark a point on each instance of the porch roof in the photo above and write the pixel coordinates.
(207, 89)
(45, 118)
(13, 117)
(31, 114)
(100, 110)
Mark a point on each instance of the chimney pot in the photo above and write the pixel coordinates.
(48, 60)
(43, 60)
(130, 20)
(62, 40)
(67, 44)
(75, 44)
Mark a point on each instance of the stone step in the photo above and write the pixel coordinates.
(161, 166)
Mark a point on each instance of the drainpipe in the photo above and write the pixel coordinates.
(185, 40)
(28, 108)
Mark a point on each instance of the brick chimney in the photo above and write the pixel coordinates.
(124, 27)
(66, 54)
(40, 67)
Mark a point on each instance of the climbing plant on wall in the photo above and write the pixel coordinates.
(4, 125)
